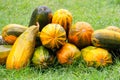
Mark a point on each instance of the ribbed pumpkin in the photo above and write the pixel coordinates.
(53, 36)
(4, 52)
(80, 34)
(68, 54)
(10, 32)
(96, 57)
(22, 49)
(106, 38)
(42, 57)
(63, 17)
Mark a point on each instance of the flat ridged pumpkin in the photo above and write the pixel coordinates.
(96, 57)
(80, 34)
(63, 17)
(53, 36)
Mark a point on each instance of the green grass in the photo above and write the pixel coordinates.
(99, 13)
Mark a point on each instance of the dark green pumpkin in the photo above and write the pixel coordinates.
(42, 57)
(42, 15)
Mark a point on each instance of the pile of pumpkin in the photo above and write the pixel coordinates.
(52, 37)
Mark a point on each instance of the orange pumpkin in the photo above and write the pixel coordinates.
(53, 36)
(68, 54)
(63, 17)
(80, 34)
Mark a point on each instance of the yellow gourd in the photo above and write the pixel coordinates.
(22, 49)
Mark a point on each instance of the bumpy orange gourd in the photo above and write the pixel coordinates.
(10, 32)
(63, 17)
(53, 36)
(80, 34)
(68, 54)
(22, 49)
(96, 57)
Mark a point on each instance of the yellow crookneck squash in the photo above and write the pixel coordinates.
(22, 49)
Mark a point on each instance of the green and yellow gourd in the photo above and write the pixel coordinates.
(106, 38)
(10, 32)
(96, 57)
(42, 57)
(42, 15)
(4, 52)
(22, 49)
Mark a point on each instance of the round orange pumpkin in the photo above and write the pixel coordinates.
(53, 36)
(68, 54)
(63, 17)
(80, 34)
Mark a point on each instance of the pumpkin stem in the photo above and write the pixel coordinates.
(37, 24)
(70, 60)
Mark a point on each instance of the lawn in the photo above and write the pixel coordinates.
(99, 13)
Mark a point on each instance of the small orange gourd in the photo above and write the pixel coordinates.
(68, 54)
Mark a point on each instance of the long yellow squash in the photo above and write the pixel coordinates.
(22, 49)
